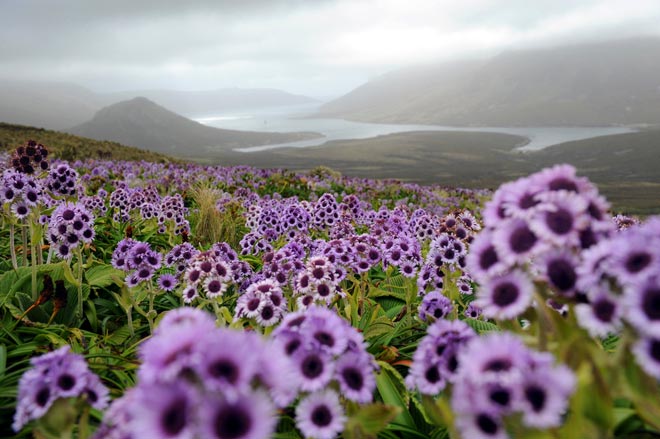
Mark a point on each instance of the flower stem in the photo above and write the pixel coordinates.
(12, 246)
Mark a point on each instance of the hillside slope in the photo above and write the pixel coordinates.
(70, 147)
(145, 124)
(607, 83)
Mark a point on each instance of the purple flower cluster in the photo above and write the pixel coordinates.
(325, 212)
(30, 157)
(263, 301)
(58, 374)
(324, 348)
(536, 228)
(621, 279)
(213, 271)
(436, 360)
(62, 180)
(499, 377)
(20, 193)
(70, 225)
(435, 305)
(137, 259)
(196, 380)
(180, 256)
(318, 282)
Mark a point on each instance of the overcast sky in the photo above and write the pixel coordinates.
(315, 47)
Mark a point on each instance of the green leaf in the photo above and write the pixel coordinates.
(3, 360)
(393, 391)
(370, 420)
(481, 326)
(380, 326)
(104, 275)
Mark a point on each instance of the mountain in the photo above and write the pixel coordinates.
(62, 105)
(145, 124)
(48, 105)
(606, 83)
(202, 103)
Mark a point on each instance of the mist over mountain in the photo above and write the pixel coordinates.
(61, 106)
(205, 102)
(607, 83)
(45, 104)
(145, 124)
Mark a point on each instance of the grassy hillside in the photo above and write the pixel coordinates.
(624, 166)
(70, 147)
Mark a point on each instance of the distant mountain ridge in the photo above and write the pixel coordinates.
(61, 106)
(145, 124)
(597, 84)
(197, 103)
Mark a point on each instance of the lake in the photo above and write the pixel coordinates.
(293, 118)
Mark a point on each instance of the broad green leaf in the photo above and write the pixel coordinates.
(393, 391)
(103, 275)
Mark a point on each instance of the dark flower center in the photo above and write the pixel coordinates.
(452, 364)
(560, 221)
(312, 366)
(651, 303)
(42, 397)
(321, 416)
(501, 397)
(498, 365)
(654, 350)
(488, 258)
(636, 262)
(232, 422)
(224, 368)
(253, 304)
(486, 424)
(267, 312)
(562, 183)
(291, 346)
(92, 396)
(604, 310)
(432, 375)
(323, 290)
(536, 397)
(522, 239)
(66, 382)
(562, 274)
(353, 378)
(527, 201)
(505, 294)
(325, 338)
(173, 418)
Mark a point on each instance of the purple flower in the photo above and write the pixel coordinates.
(643, 306)
(602, 315)
(354, 373)
(545, 396)
(515, 242)
(58, 374)
(167, 282)
(436, 360)
(249, 416)
(436, 305)
(506, 296)
(647, 354)
(320, 415)
(165, 411)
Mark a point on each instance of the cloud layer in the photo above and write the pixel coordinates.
(323, 47)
